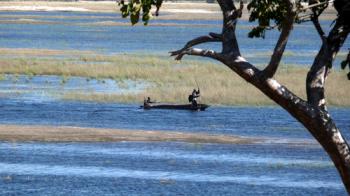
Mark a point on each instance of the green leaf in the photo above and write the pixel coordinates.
(124, 10)
(137, 7)
(134, 17)
(266, 12)
(258, 32)
(146, 18)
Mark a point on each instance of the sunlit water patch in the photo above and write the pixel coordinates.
(35, 169)
(48, 88)
(248, 159)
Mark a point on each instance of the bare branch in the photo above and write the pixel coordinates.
(317, 10)
(212, 37)
(234, 15)
(304, 18)
(316, 5)
(230, 16)
(215, 35)
(276, 57)
(196, 52)
(230, 12)
(318, 27)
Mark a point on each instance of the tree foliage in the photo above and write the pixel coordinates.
(265, 14)
(135, 8)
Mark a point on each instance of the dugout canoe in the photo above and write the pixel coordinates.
(168, 106)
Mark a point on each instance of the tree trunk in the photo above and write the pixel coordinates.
(314, 118)
(312, 113)
(319, 124)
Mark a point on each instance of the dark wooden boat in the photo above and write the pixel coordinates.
(168, 106)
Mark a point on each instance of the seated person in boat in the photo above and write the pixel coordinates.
(193, 97)
(148, 101)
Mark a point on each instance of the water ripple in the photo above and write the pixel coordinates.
(62, 170)
(154, 153)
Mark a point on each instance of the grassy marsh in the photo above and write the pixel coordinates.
(170, 81)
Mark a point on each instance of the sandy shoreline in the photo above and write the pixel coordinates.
(169, 10)
(19, 133)
(104, 6)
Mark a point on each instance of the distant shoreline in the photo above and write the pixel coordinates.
(173, 10)
(20, 133)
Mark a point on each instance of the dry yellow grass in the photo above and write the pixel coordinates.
(170, 81)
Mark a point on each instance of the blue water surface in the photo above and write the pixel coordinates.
(85, 31)
(137, 168)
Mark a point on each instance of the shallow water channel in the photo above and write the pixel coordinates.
(49, 88)
(287, 162)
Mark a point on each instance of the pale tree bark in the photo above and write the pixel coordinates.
(312, 113)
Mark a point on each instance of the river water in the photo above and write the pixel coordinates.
(130, 168)
(91, 31)
(287, 162)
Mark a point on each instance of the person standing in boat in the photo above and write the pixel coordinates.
(193, 98)
(147, 102)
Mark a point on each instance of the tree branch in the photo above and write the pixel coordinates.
(316, 77)
(276, 57)
(318, 27)
(196, 52)
(230, 16)
(212, 37)
(317, 10)
(234, 14)
(316, 4)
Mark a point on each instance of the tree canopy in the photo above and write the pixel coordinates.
(135, 8)
(266, 14)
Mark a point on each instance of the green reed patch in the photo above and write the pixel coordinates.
(171, 81)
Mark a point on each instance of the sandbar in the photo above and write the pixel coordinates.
(20, 133)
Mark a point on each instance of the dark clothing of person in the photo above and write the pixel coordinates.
(148, 101)
(195, 94)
